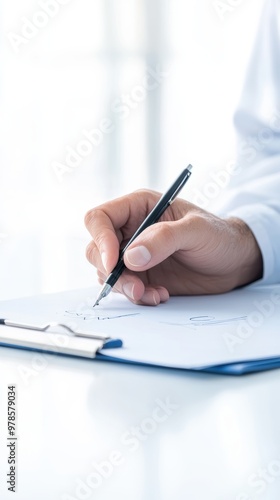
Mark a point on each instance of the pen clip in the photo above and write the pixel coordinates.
(181, 185)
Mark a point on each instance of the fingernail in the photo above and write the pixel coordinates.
(128, 289)
(150, 298)
(138, 256)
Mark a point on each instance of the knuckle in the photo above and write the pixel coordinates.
(146, 194)
(194, 218)
(168, 231)
(141, 191)
(90, 216)
(164, 234)
(90, 252)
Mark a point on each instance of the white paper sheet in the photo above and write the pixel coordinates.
(185, 332)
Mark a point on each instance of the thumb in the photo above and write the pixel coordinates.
(153, 246)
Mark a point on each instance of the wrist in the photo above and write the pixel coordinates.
(249, 262)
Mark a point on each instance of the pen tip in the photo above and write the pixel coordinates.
(96, 303)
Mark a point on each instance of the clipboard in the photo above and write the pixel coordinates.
(230, 334)
(55, 338)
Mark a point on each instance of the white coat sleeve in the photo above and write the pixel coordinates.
(253, 194)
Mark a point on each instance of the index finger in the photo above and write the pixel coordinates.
(117, 220)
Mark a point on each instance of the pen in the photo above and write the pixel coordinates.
(153, 217)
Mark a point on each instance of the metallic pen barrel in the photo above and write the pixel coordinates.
(111, 280)
(105, 290)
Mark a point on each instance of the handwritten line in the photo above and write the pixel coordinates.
(89, 316)
(207, 321)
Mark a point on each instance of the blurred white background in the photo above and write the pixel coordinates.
(154, 83)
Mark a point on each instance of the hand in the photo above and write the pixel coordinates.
(188, 252)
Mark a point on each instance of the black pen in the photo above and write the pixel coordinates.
(153, 217)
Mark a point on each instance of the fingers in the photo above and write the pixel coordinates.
(153, 246)
(103, 251)
(153, 296)
(198, 239)
(132, 286)
(115, 221)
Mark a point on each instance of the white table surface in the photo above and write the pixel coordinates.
(218, 438)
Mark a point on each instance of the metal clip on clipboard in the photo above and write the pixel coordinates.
(109, 342)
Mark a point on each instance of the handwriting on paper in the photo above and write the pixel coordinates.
(205, 320)
(89, 316)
